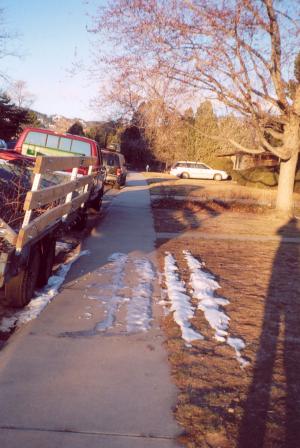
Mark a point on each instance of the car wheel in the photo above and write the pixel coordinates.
(185, 175)
(217, 177)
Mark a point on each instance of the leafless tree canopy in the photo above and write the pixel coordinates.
(240, 53)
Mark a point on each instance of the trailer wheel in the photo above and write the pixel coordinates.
(48, 255)
(96, 203)
(81, 222)
(19, 289)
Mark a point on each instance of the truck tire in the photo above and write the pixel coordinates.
(19, 289)
(48, 256)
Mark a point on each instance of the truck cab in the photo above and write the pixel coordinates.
(35, 142)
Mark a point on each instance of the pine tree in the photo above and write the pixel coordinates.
(12, 118)
(76, 129)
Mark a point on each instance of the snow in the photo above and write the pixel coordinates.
(112, 298)
(238, 345)
(61, 246)
(180, 301)
(43, 297)
(204, 287)
(137, 299)
(139, 310)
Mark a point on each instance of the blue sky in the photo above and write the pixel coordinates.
(52, 35)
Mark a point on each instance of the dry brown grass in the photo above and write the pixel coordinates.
(163, 184)
(221, 405)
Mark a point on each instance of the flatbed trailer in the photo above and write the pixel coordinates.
(27, 256)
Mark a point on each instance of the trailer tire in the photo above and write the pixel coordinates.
(48, 256)
(19, 289)
(96, 203)
(81, 222)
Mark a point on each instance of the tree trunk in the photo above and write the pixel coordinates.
(285, 202)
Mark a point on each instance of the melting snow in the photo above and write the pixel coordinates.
(183, 310)
(204, 286)
(238, 345)
(137, 298)
(113, 299)
(44, 296)
(139, 311)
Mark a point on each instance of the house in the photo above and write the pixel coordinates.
(244, 161)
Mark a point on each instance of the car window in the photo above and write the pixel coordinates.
(201, 166)
(110, 160)
(80, 147)
(65, 144)
(36, 138)
(52, 141)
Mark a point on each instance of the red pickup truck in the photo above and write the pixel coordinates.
(35, 142)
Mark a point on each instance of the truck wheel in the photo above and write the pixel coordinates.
(19, 289)
(48, 255)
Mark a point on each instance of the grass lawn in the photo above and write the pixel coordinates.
(254, 256)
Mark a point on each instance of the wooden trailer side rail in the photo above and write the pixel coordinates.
(49, 163)
(37, 225)
(7, 232)
(39, 197)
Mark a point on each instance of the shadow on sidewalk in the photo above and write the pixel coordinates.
(274, 399)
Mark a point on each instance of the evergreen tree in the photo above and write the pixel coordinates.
(206, 124)
(12, 118)
(76, 129)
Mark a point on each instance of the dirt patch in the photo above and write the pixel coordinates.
(221, 404)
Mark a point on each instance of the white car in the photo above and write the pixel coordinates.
(197, 170)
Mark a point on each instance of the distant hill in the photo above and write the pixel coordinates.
(59, 123)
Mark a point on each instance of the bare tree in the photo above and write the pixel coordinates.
(6, 47)
(20, 95)
(238, 53)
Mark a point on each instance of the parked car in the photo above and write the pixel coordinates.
(197, 170)
(35, 142)
(11, 144)
(115, 165)
(3, 144)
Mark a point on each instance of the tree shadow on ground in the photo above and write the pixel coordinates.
(273, 399)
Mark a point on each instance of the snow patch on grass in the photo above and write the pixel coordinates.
(204, 286)
(180, 301)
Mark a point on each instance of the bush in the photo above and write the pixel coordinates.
(259, 177)
(220, 163)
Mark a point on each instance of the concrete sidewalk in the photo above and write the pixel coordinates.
(89, 372)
